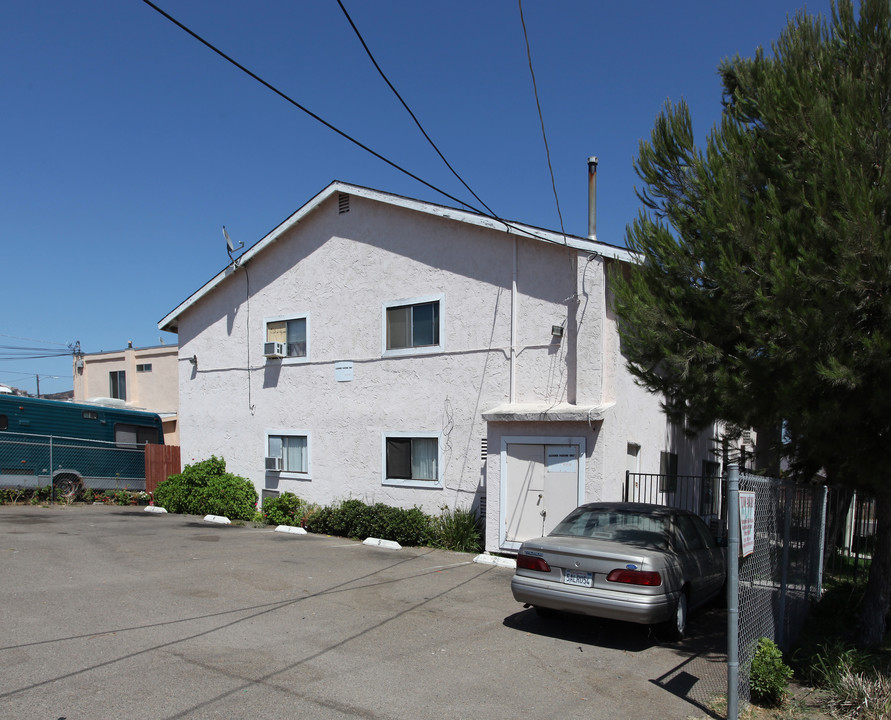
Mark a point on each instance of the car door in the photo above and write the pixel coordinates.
(696, 559)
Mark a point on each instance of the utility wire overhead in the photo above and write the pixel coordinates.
(343, 134)
(540, 117)
(304, 109)
(409, 111)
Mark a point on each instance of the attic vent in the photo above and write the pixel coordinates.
(484, 449)
(343, 203)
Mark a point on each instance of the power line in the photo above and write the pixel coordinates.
(44, 342)
(409, 111)
(541, 117)
(351, 139)
(305, 109)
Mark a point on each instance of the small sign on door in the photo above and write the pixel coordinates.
(561, 459)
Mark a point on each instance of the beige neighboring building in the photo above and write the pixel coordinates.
(140, 378)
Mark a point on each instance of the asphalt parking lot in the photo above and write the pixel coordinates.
(111, 612)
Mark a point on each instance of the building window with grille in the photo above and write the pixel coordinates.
(668, 469)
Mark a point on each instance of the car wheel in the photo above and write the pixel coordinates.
(68, 487)
(675, 627)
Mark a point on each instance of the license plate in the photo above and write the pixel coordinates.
(574, 577)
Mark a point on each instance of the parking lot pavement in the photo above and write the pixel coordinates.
(110, 612)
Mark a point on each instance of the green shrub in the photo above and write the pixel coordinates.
(459, 530)
(205, 488)
(769, 676)
(354, 519)
(286, 509)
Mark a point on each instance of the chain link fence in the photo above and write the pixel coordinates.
(70, 464)
(782, 574)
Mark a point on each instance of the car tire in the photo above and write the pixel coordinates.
(675, 627)
(68, 487)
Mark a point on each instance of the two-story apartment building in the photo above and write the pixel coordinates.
(139, 378)
(398, 351)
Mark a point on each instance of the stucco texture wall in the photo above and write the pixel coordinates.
(339, 270)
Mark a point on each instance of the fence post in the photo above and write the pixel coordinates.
(733, 592)
(52, 481)
(784, 581)
(824, 497)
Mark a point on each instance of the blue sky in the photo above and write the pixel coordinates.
(126, 144)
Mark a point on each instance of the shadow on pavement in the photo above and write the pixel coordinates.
(700, 674)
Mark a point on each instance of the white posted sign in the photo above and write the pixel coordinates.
(746, 522)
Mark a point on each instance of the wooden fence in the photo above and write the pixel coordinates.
(161, 461)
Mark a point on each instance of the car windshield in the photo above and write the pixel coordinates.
(616, 525)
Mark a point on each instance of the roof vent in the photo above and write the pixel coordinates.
(343, 203)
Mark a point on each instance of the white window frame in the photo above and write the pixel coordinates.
(424, 349)
(403, 482)
(289, 360)
(290, 432)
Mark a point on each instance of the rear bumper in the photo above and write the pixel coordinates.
(609, 604)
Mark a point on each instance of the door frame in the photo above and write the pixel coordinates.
(506, 440)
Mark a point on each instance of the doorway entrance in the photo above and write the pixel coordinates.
(542, 482)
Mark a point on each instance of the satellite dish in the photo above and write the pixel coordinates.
(230, 247)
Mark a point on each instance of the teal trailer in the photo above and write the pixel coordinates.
(74, 445)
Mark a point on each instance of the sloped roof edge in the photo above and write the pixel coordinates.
(170, 323)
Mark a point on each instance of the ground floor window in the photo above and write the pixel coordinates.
(287, 453)
(411, 459)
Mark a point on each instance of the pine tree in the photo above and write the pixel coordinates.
(762, 293)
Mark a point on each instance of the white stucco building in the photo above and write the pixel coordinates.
(398, 351)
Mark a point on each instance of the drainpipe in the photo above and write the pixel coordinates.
(592, 197)
(513, 329)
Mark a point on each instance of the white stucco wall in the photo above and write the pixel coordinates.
(339, 270)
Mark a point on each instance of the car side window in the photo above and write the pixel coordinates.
(704, 533)
(688, 532)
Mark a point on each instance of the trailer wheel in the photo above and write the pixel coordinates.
(68, 486)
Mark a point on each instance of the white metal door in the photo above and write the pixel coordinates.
(541, 488)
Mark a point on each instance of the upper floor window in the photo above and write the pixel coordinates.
(144, 367)
(117, 384)
(412, 325)
(287, 337)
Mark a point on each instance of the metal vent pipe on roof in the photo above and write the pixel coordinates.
(592, 197)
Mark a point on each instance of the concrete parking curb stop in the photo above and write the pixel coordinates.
(155, 509)
(218, 519)
(390, 544)
(290, 529)
(487, 559)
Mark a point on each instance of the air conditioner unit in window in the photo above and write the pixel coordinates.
(274, 464)
(274, 349)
